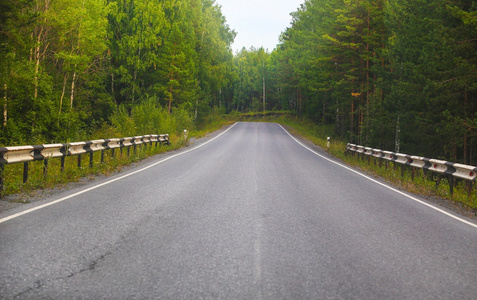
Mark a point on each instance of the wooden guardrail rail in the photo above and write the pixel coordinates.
(450, 170)
(26, 154)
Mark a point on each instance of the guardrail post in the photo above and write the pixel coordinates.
(91, 159)
(438, 181)
(79, 160)
(451, 183)
(102, 156)
(469, 189)
(2, 169)
(45, 169)
(63, 159)
(25, 172)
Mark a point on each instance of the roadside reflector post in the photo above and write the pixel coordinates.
(186, 134)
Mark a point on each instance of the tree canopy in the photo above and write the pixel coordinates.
(392, 74)
(67, 67)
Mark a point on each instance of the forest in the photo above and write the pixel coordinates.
(398, 75)
(74, 69)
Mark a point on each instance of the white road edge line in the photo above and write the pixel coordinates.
(108, 182)
(380, 183)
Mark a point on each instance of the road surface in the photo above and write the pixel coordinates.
(251, 214)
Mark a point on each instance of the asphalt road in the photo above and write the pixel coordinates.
(251, 214)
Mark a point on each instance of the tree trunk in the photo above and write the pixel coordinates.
(398, 137)
(264, 95)
(352, 119)
(466, 138)
(172, 77)
(466, 143)
(37, 64)
(62, 97)
(170, 96)
(73, 81)
(5, 106)
(41, 34)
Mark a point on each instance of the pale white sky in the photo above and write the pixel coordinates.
(258, 22)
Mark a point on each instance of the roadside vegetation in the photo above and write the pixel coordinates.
(144, 118)
(395, 75)
(430, 187)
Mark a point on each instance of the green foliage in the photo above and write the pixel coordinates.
(252, 70)
(70, 70)
(391, 74)
(150, 118)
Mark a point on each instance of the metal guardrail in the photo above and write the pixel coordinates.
(445, 168)
(26, 154)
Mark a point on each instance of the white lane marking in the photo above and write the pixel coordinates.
(380, 183)
(107, 182)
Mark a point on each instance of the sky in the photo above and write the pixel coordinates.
(258, 22)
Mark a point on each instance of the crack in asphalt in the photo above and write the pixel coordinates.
(38, 284)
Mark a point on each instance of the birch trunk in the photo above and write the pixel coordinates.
(5, 106)
(41, 35)
(37, 63)
(62, 97)
(73, 81)
(75, 77)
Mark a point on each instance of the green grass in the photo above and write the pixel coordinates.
(13, 174)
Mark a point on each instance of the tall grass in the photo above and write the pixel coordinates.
(56, 177)
(145, 118)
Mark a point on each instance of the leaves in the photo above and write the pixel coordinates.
(384, 71)
(69, 66)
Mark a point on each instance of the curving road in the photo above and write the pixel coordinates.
(251, 214)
